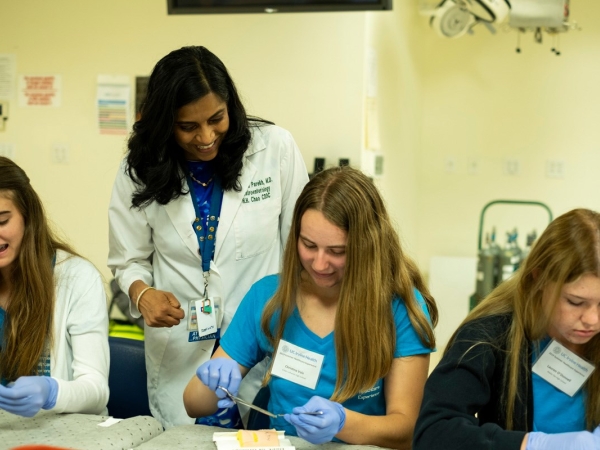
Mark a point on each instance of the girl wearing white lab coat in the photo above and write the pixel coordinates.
(54, 352)
(200, 179)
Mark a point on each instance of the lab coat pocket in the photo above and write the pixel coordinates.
(256, 228)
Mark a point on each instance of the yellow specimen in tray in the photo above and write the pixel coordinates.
(261, 438)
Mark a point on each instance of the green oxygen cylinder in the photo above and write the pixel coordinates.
(531, 237)
(495, 249)
(510, 256)
(485, 270)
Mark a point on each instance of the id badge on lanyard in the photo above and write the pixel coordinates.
(202, 317)
(202, 313)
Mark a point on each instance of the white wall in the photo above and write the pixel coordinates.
(464, 99)
(475, 98)
(390, 35)
(483, 101)
(303, 71)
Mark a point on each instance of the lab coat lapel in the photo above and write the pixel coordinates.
(231, 203)
(181, 212)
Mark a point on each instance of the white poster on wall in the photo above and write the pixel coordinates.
(113, 98)
(40, 90)
(8, 76)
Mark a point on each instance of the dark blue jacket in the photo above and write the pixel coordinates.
(462, 405)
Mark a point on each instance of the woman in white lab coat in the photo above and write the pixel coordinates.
(200, 210)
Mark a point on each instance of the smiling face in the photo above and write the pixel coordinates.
(200, 127)
(322, 250)
(576, 317)
(12, 229)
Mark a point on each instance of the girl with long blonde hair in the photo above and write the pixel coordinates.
(53, 315)
(348, 324)
(494, 387)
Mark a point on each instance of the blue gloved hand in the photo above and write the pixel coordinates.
(26, 396)
(577, 440)
(221, 372)
(318, 429)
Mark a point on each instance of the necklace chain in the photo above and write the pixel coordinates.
(200, 182)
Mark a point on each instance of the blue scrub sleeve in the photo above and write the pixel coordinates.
(407, 340)
(242, 340)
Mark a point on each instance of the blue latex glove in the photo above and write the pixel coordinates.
(221, 372)
(318, 429)
(577, 440)
(26, 396)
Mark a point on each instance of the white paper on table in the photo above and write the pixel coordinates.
(109, 422)
(228, 441)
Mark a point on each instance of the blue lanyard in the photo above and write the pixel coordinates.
(206, 231)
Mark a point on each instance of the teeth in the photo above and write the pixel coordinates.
(202, 147)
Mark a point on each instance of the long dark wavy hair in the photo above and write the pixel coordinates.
(155, 162)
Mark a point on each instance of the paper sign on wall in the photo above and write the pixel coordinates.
(40, 90)
(8, 76)
(113, 97)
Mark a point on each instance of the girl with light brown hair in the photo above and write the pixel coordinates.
(516, 374)
(53, 315)
(347, 324)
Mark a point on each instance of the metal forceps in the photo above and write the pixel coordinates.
(235, 399)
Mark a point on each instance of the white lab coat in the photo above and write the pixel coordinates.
(157, 245)
(79, 360)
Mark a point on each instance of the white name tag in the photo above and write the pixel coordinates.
(562, 368)
(204, 316)
(297, 365)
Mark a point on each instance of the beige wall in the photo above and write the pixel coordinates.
(303, 71)
(483, 101)
(390, 35)
(467, 99)
(474, 99)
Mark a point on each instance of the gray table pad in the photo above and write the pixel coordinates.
(198, 437)
(77, 431)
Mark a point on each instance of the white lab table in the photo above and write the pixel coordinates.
(78, 431)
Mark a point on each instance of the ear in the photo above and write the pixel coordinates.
(535, 273)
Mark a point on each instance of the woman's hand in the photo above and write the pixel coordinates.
(201, 396)
(577, 440)
(159, 308)
(223, 372)
(28, 395)
(321, 428)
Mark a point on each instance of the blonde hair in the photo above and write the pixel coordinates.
(568, 249)
(376, 270)
(28, 324)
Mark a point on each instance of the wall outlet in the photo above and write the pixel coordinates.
(60, 153)
(512, 166)
(450, 164)
(473, 166)
(555, 168)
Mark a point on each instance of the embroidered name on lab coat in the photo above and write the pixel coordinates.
(259, 191)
